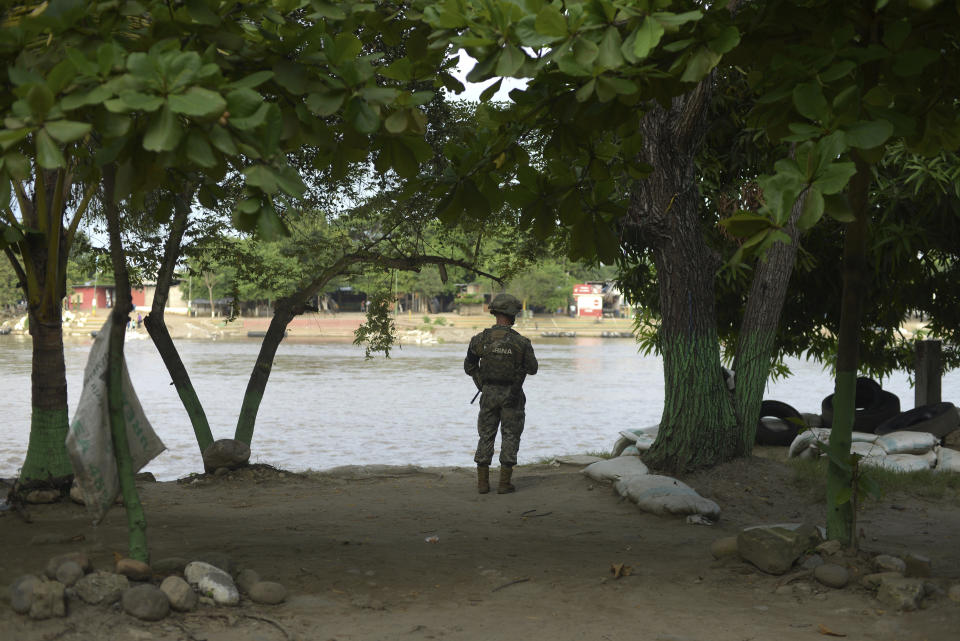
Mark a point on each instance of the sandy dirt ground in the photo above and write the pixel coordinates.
(351, 547)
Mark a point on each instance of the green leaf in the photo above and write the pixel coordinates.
(609, 56)
(253, 80)
(222, 140)
(327, 103)
(10, 137)
(699, 65)
(647, 37)
(396, 122)
(550, 22)
(269, 225)
(585, 52)
(809, 101)
(843, 496)
(837, 71)
(201, 14)
(291, 76)
(363, 118)
(163, 133)
(726, 40)
(136, 101)
(491, 90)
(834, 177)
(674, 21)
(252, 121)
(868, 134)
(509, 61)
(261, 176)
(18, 166)
(40, 99)
(49, 155)
(288, 179)
(812, 209)
(199, 151)
(744, 225)
(197, 101)
(583, 93)
(838, 207)
(67, 130)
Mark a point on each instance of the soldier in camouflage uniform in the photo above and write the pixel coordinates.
(499, 359)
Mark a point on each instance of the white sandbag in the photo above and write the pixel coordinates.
(664, 495)
(905, 442)
(901, 462)
(816, 437)
(630, 450)
(615, 468)
(866, 449)
(948, 460)
(89, 442)
(633, 435)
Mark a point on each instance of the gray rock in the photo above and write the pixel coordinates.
(179, 593)
(55, 562)
(268, 592)
(771, 549)
(101, 587)
(917, 565)
(889, 563)
(48, 600)
(212, 582)
(724, 548)
(42, 496)
(134, 570)
(830, 548)
(146, 602)
(832, 575)
(954, 593)
(246, 579)
(901, 593)
(170, 565)
(812, 562)
(227, 453)
(21, 593)
(873, 581)
(69, 573)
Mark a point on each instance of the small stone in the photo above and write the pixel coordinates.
(873, 581)
(76, 495)
(55, 562)
(213, 582)
(170, 565)
(134, 569)
(146, 602)
(69, 573)
(889, 563)
(48, 600)
(268, 592)
(246, 579)
(724, 548)
(832, 575)
(812, 562)
(42, 496)
(954, 593)
(772, 549)
(21, 593)
(227, 453)
(829, 548)
(179, 593)
(917, 566)
(900, 593)
(101, 587)
(220, 561)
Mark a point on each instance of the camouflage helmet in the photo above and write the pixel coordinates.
(505, 304)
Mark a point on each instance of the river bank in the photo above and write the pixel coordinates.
(401, 553)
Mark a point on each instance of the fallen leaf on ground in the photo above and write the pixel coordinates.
(619, 570)
(822, 629)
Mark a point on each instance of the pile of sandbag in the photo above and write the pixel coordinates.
(651, 492)
(904, 451)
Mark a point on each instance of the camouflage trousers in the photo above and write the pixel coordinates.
(503, 408)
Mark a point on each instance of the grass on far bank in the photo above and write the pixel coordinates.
(811, 476)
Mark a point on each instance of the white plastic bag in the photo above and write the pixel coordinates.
(664, 495)
(907, 442)
(89, 442)
(615, 468)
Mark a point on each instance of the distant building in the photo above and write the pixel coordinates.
(90, 296)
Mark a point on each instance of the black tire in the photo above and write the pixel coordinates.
(865, 419)
(938, 419)
(867, 395)
(790, 416)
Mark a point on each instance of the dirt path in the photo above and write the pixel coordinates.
(350, 546)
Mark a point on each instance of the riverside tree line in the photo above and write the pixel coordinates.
(767, 177)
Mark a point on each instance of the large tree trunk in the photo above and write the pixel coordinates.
(698, 427)
(158, 331)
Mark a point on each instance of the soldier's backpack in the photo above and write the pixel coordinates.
(501, 356)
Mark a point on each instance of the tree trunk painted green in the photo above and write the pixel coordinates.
(123, 305)
(758, 330)
(157, 328)
(839, 476)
